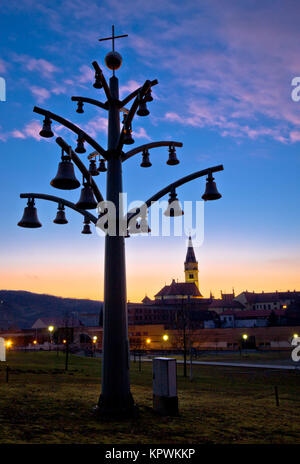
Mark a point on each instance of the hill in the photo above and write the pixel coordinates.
(21, 309)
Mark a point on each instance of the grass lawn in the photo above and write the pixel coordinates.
(43, 404)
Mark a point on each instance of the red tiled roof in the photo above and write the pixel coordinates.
(163, 291)
(179, 289)
(270, 297)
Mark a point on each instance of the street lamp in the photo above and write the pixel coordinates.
(245, 337)
(165, 337)
(116, 399)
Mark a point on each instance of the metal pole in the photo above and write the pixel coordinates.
(115, 399)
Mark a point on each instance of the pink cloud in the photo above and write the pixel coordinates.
(40, 93)
(140, 133)
(31, 129)
(40, 65)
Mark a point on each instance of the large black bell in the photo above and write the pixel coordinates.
(97, 84)
(128, 140)
(146, 161)
(46, 130)
(65, 178)
(174, 208)
(86, 228)
(211, 191)
(102, 167)
(143, 110)
(172, 161)
(80, 145)
(87, 199)
(93, 168)
(60, 216)
(30, 219)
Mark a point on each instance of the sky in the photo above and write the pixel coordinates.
(224, 92)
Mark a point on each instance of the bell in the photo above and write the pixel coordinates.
(146, 161)
(80, 145)
(148, 96)
(145, 229)
(174, 208)
(79, 107)
(86, 228)
(65, 178)
(60, 216)
(93, 169)
(87, 199)
(211, 191)
(102, 167)
(97, 84)
(172, 161)
(46, 130)
(143, 110)
(128, 140)
(30, 218)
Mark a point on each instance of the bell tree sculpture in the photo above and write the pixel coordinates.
(115, 399)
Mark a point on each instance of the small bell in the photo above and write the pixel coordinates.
(92, 168)
(86, 228)
(148, 96)
(211, 191)
(102, 167)
(97, 84)
(172, 161)
(80, 145)
(143, 110)
(146, 161)
(87, 199)
(30, 218)
(80, 107)
(174, 208)
(46, 130)
(127, 139)
(60, 216)
(65, 178)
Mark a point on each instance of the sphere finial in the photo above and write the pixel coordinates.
(113, 60)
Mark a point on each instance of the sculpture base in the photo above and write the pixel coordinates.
(110, 409)
(166, 406)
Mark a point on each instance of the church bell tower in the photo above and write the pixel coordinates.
(191, 265)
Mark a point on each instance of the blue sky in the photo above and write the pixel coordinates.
(224, 91)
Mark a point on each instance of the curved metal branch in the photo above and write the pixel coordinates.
(61, 142)
(58, 200)
(72, 127)
(132, 111)
(135, 93)
(92, 101)
(103, 80)
(176, 184)
(141, 148)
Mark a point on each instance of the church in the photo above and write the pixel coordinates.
(170, 299)
(183, 290)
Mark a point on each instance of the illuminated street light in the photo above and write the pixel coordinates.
(245, 336)
(295, 335)
(50, 328)
(8, 344)
(64, 341)
(34, 342)
(95, 338)
(165, 337)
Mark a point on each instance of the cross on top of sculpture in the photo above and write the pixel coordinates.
(113, 60)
